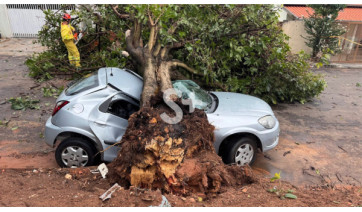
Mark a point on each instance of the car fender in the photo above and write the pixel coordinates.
(222, 134)
(85, 133)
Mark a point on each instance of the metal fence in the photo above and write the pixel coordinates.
(26, 20)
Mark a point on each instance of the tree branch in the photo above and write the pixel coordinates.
(173, 28)
(157, 49)
(167, 48)
(100, 19)
(136, 33)
(122, 16)
(153, 37)
(177, 63)
(136, 53)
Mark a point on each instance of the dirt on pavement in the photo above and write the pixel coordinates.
(321, 141)
(50, 187)
(319, 150)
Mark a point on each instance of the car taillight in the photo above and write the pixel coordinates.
(59, 106)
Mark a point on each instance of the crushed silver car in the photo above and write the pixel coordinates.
(92, 115)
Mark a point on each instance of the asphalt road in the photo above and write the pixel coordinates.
(320, 141)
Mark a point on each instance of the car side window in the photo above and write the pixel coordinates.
(122, 108)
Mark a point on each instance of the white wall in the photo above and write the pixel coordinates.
(5, 28)
(295, 30)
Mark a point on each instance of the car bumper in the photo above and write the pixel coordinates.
(269, 139)
(51, 132)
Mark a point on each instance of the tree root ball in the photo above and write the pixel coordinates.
(177, 158)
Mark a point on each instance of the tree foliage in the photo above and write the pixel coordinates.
(239, 48)
(323, 29)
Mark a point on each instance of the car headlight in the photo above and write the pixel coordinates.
(267, 121)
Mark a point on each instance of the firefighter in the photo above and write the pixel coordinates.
(68, 38)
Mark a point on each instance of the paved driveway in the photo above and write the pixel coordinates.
(321, 141)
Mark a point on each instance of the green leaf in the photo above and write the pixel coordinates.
(276, 177)
(290, 196)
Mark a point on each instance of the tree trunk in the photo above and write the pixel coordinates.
(156, 78)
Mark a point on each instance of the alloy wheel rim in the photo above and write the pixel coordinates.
(74, 156)
(244, 154)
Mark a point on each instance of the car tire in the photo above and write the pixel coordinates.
(240, 151)
(75, 152)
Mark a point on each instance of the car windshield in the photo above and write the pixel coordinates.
(87, 82)
(190, 90)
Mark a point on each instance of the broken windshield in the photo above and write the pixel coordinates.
(190, 90)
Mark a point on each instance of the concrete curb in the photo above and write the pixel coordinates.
(344, 65)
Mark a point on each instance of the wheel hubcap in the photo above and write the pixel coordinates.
(74, 156)
(244, 154)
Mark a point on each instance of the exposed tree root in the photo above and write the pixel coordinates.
(176, 158)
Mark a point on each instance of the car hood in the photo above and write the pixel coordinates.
(241, 104)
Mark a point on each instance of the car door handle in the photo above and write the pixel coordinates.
(100, 122)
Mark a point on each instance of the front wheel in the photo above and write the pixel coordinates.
(242, 151)
(74, 152)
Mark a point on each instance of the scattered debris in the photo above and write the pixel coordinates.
(342, 149)
(148, 196)
(20, 103)
(33, 195)
(68, 176)
(267, 157)
(297, 143)
(290, 196)
(310, 142)
(109, 192)
(103, 170)
(35, 86)
(339, 177)
(164, 202)
(285, 153)
(153, 121)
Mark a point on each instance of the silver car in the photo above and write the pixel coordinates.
(92, 115)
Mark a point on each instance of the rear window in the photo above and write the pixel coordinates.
(87, 82)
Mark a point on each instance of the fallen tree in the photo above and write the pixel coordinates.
(178, 158)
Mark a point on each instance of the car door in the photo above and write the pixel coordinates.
(109, 121)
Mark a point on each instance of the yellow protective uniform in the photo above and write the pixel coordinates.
(68, 39)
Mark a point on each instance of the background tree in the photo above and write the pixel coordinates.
(323, 28)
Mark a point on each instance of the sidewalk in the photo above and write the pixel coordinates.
(345, 65)
(19, 46)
